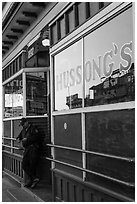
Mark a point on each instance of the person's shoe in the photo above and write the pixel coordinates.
(28, 184)
(35, 182)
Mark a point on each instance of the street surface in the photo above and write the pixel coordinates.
(11, 192)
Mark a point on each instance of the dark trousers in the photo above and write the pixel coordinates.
(30, 161)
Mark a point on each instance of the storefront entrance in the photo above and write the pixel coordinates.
(26, 94)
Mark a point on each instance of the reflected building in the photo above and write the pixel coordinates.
(73, 101)
(36, 96)
(117, 88)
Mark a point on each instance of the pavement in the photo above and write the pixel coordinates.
(15, 192)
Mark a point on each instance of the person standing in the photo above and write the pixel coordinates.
(30, 138)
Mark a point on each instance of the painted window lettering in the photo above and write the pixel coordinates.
(107, 69)
(126, 56)
(102, 67)
(69, 78)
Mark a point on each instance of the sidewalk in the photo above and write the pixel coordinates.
(14, 192)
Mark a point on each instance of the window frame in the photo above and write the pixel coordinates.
(101, 18)
(23, 73)
(72, 40)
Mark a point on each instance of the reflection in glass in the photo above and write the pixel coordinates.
(36, 93)
(68, 78)
(117, 88)
(14, 98)
(109, 62)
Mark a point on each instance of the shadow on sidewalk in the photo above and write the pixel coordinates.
(13, 191)
(43, 191)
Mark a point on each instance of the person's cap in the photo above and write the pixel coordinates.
(22, 121)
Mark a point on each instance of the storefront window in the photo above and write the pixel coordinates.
(14, 98)
(68, 78)
(36, 93)
(109, 63)
(111, 133)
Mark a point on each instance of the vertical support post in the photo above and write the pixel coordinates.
(83, 74)
(83, 144)
(3, 101)
(3, 113)
(83, 114)
(24, 110)
(53, 187)
(24, 93)
(48, 95)
(48, 82)
(52, 108)
(12, 132)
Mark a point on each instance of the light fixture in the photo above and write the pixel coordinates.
(45, 37)
(45, 42)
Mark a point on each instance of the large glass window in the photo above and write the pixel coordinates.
(109, 63)
(36, 93)
(68, 78)
(108, 67)
(14, 98)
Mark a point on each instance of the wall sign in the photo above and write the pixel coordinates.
(31, 52)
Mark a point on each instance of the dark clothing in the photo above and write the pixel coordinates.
(30, 161)
(30, 138)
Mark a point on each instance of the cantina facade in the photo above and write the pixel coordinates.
(80, 92)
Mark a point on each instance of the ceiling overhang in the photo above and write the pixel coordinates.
(17, 21)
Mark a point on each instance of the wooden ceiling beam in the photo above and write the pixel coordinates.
(7, 42)
(16, 30)
(12, 37)
(30, 14)
(5, 47)
(22, 22)
(38, 4)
